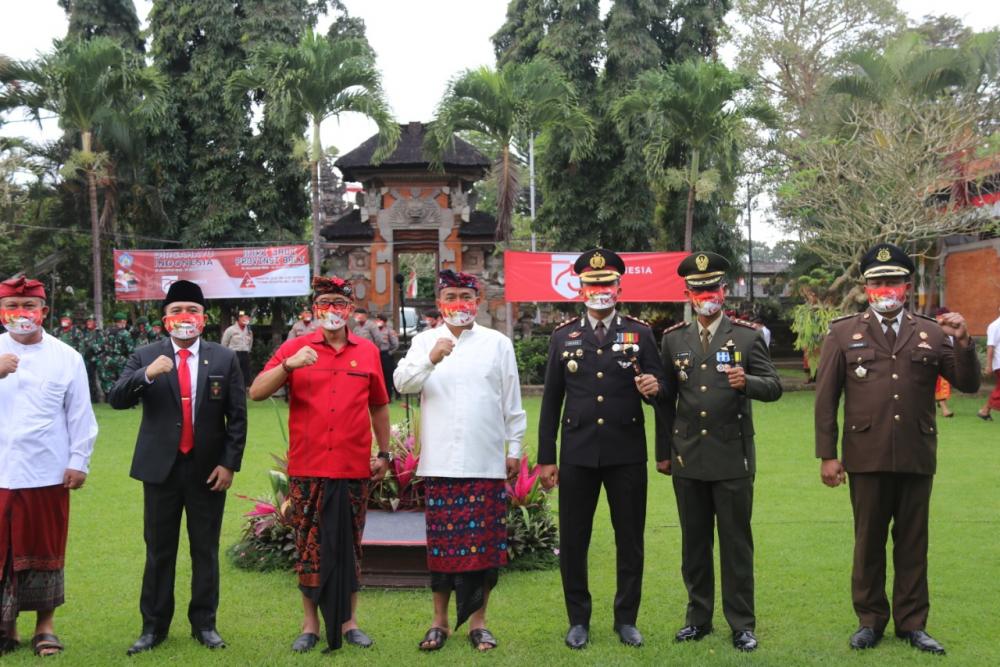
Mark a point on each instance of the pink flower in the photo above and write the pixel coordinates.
(262, 508)
(405, 469)
(525, 483)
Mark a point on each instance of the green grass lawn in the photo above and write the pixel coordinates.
(802, 532)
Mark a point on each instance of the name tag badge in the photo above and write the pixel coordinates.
(215, 387)
(574, 343)
(854, 346)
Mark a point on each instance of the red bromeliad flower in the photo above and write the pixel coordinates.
(405, 468)
(525, 483)
(262, 508)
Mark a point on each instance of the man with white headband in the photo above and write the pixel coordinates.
(190, 444)
(46, 441)
(337, 397)
(471, 427)
(885, 362)
(601, 367)
(704, 439)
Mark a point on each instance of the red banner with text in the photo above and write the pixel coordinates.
(549, 276)
(231, 273)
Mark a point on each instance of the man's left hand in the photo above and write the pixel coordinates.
(954, 325)
(737, 377)
(74, 479)
(513, 467)
(379, 468)
(647, 385)
(220, 479)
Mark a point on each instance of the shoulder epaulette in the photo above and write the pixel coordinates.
(842, 317)
(679, 325)
(566, 323)
(743, 323)
(635, 319)
(926, 317)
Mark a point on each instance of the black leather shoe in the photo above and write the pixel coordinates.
(865, 637)
(147, 641)
(629, 634)
(209, 638)
(578, 636)
(921, 640)
(744, 640)
(693, 633)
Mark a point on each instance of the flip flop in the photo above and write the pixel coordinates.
(357, 637)
(434, 639)
(43, 642)
(986, 418)
(305, 642)
(8, 645)
(481, 636)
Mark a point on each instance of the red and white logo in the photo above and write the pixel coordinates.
(564, 281)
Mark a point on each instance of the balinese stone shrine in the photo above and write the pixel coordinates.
(406, 209)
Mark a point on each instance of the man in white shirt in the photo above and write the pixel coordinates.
(992, 363)
(46, 441)
(470, 399)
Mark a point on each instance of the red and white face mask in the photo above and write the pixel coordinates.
(707, 304)
(20, 321)
(65, 323)
(886, 299)
(598, 297)
(333, 318)
(459, 313)
(184, 326)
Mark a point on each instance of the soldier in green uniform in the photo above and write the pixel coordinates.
(69, 333)
(714, 367)
(92, 348)
(601, 367)
(141, 333)
(116, 350)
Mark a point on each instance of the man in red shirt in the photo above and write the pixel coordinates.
(337, 397)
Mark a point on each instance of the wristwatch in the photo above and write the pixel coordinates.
(385, 455)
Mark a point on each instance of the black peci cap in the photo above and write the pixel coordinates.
(599, 267)
(184, 290)
(884, 260)
(703, 269)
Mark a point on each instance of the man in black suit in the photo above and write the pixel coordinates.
(601, 367)
(190, 443)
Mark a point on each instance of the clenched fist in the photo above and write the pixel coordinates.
(954, 325)
(8, 364)
(647, 385)
(441, 349)
(161, 365)
(306, 356)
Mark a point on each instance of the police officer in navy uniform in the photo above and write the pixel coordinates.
(714, 367)
(600, 368)
(885, 362)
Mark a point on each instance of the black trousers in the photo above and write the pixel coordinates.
(244, 359)
(182, 491)
(388, 366)
(700, 505)
(903, 500)
(579, 489)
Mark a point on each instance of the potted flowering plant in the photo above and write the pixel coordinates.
(400, 489)
(532, 536)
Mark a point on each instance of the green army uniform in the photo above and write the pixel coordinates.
(705, 429)
(115, 352)
(73, 336)
(92, 348)
(141, 333)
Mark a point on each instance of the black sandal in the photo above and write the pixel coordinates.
(8, 645)
(481, 636)
(305, 642)
(357, 637)
(46, 642)
(434, 639)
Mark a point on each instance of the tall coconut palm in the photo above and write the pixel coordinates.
(316, 79)
(692, 106)
(92, 86)
(507, 107)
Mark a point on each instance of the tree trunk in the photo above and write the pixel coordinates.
(317, 150)
(692, 191)
(95, 235)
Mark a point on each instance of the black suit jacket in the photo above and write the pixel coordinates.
(220, 413)
(590, 394)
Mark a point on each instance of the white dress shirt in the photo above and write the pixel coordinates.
(882, 318)
(470, 403)
(192, 363)
(993, 339)
(48, 424)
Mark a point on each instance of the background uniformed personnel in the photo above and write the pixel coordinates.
(600, 367)
(705, 440)
(885, 361)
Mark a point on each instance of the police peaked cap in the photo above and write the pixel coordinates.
(885, 260)
(703, 269)
(599, 266)
(184, 290)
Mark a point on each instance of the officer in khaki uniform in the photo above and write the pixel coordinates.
(714, 367)
(600, 368)
(885, 362)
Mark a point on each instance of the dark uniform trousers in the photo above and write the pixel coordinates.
(184, 490)
(903, 499)
(730, 502)
(579, 490)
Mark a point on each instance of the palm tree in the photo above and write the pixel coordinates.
(690, 106)
(311, 81)
(94, 86)
(508, 108)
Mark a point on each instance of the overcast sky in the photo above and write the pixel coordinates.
(420, 44)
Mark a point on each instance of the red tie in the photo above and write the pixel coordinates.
(187, 425)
